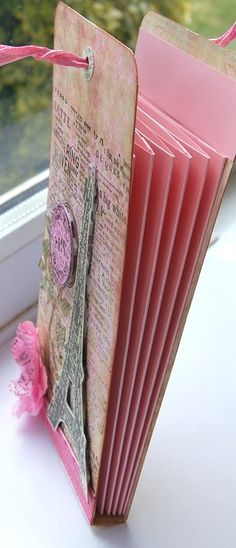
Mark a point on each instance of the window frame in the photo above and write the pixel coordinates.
(21, 231)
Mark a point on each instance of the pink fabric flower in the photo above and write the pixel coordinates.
(32, 383)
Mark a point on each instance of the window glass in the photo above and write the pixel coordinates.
(25, 86)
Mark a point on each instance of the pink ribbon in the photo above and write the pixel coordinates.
(227, 37)
(9, 54)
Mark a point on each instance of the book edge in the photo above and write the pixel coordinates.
(220, 193)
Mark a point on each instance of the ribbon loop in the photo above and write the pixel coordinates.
(10, 54)
(227, 37)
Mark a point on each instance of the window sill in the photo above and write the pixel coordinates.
(21, 230)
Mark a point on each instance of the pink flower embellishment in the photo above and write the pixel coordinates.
(32, 383)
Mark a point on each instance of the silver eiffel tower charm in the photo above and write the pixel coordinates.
(67, 405)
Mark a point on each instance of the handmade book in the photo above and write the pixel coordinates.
(142, 148)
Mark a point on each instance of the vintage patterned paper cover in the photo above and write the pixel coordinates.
(92, 139)
(92, 129)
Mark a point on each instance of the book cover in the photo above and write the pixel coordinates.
(142, 147)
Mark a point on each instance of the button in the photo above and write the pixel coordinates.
(63, 245)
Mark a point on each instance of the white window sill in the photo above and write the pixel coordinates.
(186, 494)
(21, 230)
(22, 223)
(187, 490)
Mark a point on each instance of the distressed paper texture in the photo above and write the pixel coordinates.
(93, 122)
(67, 405)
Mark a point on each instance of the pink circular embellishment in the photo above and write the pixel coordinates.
(62, 245)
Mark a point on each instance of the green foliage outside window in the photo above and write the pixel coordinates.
(25, 86)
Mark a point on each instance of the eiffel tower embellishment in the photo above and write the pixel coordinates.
(67, 405)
